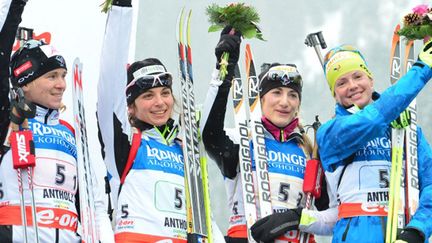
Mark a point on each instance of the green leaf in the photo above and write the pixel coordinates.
(239, 16)
(214, 28)
(106, 6)
(416, 32)
(249, 34)
(260, 37)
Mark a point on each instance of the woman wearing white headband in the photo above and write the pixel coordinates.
(147, 175)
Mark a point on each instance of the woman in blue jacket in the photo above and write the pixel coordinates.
(355, 147)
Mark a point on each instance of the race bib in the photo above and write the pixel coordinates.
(56, 174)
(170, 197)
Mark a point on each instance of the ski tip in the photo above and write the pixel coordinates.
(397, 28)
(76, 60)
(179, 32)
(248, 52)
(396, 36)
(188, 39)
(248, 58)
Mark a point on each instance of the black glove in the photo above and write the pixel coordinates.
(426, 54)
(122, 3)
(410, 235)
(229, 42)
(404, 120)
(272, 226)
(21, 108)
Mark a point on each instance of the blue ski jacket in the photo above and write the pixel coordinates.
(355, 151)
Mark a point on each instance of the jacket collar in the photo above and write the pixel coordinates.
(281, 134)
(343, 111)
(47, 116)
(165, 134)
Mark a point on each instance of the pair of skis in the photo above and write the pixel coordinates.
(196, 179)
(256, 130)
(403, 193)
(87, 221)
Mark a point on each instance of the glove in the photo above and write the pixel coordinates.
(272, 226)
(235, 240)
(229, 42)
(404, 120)
(122, 3)
(410, 235)
(21, 109)
(426, 54)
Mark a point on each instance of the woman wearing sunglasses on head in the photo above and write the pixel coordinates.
(355, 147)
(141, 149)
(280, 95)
(37, 75)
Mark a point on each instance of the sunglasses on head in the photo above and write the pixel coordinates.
(340, 48)
(285, 74)
(151, 81)
(30, 44)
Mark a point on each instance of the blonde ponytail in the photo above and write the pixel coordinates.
(306, 144)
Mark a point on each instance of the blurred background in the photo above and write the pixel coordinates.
(77, 29)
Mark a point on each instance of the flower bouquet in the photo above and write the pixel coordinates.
(418, 24)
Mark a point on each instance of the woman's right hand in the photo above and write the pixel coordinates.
(274, 225)
(426, 54)
(229, 42)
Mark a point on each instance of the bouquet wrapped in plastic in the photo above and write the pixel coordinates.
(418, 23)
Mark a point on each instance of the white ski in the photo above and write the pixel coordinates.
(195, 206)
(85, 184)
(411, 168)
(258, 138)
(245, 159)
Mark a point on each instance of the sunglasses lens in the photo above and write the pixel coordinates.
(166, 78)
(275, 74)
(150, 81)
(284, 76)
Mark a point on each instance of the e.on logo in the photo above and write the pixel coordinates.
(58, 218)
(373, 208)
(126, 222)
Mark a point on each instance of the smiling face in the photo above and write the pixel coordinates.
(154, 106)
(280, 105)
(48, 89)
(354, 88)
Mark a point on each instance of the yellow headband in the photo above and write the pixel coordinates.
(341, 63)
